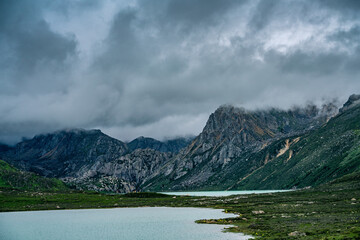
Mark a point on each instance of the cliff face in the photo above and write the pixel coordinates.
(123, 174)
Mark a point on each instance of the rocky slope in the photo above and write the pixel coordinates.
(305, 158)
(65, 153)
(317, 157)
(86, 159)
(229, 138)
(122, 174)
(353, 100)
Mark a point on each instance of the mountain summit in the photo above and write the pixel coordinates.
(353, 100)
(229, 137)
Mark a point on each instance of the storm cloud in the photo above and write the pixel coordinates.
(159, 68)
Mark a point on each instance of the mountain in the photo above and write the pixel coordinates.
(123, 174)
(237, 149)
(353, 100)
(86, 159)
(317, 157)
(12, 178)
(64, 153)
(173, 145)
(4, 147)
(220, 154)
(329, 149)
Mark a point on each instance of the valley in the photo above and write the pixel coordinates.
(314, 151)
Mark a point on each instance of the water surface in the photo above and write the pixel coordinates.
(157, 223)
(222, 193)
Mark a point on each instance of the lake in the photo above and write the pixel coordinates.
(222, 193)
(148, 223)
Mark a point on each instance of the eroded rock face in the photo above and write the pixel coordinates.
(123, 174)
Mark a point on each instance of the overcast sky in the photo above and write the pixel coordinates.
(159, 68)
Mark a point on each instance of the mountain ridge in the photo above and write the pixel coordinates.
(235, 146)
(231, 133)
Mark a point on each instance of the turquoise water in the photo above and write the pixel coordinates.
(158, 223)
(222, 193)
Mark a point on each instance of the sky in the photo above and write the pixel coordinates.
(159, 68)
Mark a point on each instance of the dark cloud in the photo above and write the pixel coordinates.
(38, 45)
(158, 68)
(310, 63)
(353, 5)
(30, 37)
(347, 37)
(347, 9)
(192, 12)
(30, 48)
(262, 14)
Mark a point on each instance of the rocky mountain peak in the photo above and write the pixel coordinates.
(76, 132)
(353, 100)
(229, 123)
(231, 132)
(62, 153)
(243, 127)
(228, 109)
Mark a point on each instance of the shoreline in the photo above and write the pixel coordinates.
(328, 212)
(183, 219)
(226, 228)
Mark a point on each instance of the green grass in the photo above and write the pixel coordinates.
(331, 211)
(13, 178)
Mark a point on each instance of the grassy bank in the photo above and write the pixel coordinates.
(329, 212)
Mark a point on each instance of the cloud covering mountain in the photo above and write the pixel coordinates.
(158, 68)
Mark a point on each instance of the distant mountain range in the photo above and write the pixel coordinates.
(91, 159)
(237, 149)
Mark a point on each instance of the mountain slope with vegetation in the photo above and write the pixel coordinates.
(320, 156)
(224, 152)
(14, 179)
